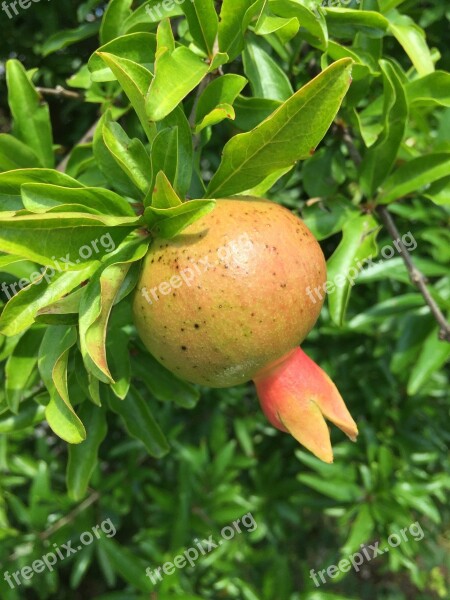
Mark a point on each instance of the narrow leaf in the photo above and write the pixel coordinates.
(83, 457)
(31, 117)
(290, 134)
(139, 422)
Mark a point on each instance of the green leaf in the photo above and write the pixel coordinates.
(153, 11)
(412, 39)
(119, 359)
(14, 154)
(167, 223)
(342, 491)
(130, 155)
(250, 112)
(62, 312)
(431, 89)
(231, 26)
(433, 356)
(203, 23)
(52, 362)
(135, 81)
(67, 37)
(11, 182)
(165, 157)
(379, 159)
(357, 244)
(415, 176)
(83, 457)
(163, 384)
(361, 531)
(221, 91)
(312, 21)
(266, 78)
(31, 117)
(40, 197)
(439, 192)
(139, 422)
(177, 73)
(20, 368)
(164, 196)
(288, 135)
(21, 311)
(165, 37)
(72, 238)
(30, 414)
(184, 150)
(345, 23)
(127, 564)
(325, 219)
(219, 114)
(96, 304)
(137, 47)
(117, 11)
(284, 28)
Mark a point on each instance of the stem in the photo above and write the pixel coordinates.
(60, 92)
(70, 517)
(86, 138)
(416, 276)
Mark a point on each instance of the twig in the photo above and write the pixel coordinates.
(60, 92)
(70, 517)
(416, 276)
(86, 138)
(63, 521)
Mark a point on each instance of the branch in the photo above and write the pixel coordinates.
(70, 517)
(87, 137)
(60, 92)
(416, 276)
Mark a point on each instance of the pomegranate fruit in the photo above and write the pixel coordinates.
(225, 302)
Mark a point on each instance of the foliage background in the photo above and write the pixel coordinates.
(225, 460)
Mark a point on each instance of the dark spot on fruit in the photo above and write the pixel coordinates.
(184, 348)
(220, 306)
(197, 326)
(161, 358)
(160, 259)
(182, 329)
(253, 314)
(283, 285)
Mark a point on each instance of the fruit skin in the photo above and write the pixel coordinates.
(242, 303)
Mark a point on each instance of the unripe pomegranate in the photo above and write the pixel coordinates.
(225, 302)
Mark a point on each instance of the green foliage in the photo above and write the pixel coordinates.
(332, 109)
